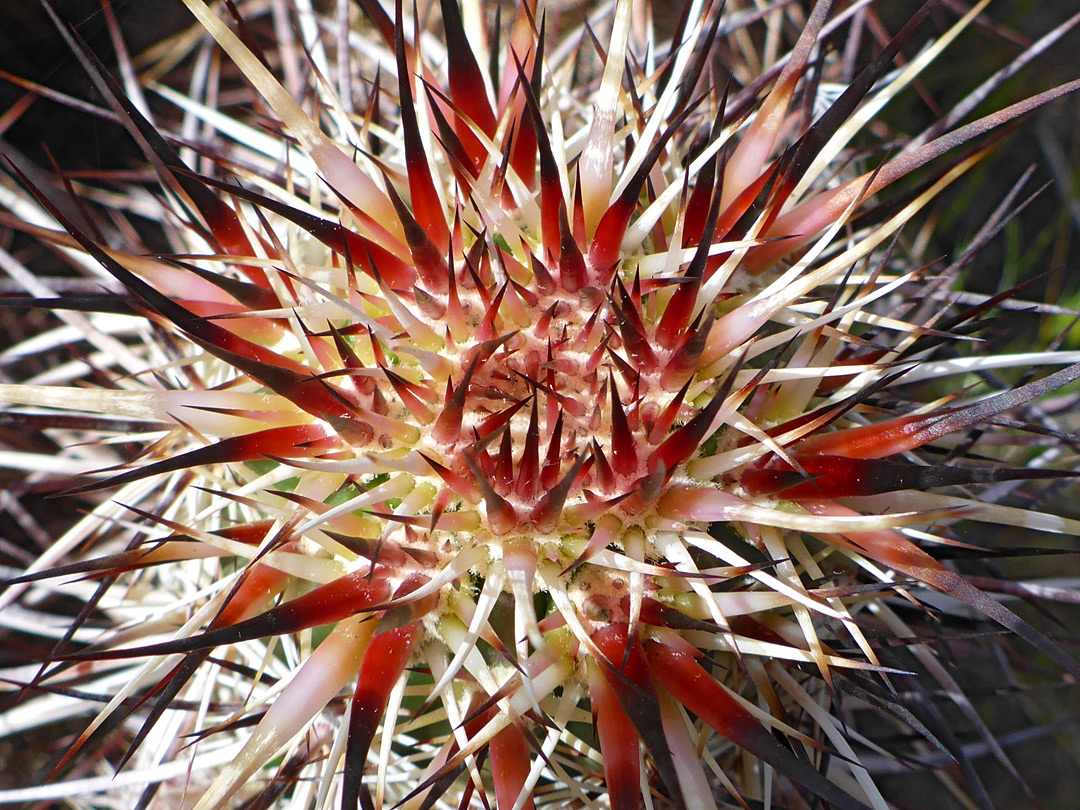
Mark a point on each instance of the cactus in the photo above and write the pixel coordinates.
(531, 410)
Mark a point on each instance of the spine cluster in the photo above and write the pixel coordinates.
(531, 435)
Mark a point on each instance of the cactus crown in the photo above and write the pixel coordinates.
(522, 420)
